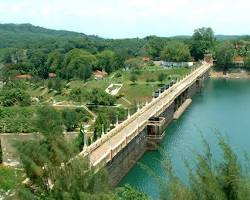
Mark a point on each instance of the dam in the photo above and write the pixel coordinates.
(119, 149)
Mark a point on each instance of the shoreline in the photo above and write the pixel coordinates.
(230, 75)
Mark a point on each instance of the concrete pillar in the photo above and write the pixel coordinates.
(85, 141)
(128, 113)
(138, 107)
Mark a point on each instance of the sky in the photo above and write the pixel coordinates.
(131, 18)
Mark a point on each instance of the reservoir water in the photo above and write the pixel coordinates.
(223, 106)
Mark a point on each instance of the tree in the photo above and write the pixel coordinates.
(247, 62)
(52, 172)
(224, 54)
(101, 124)
(7, 57)
(176, 52)
(133, 77)
(80, 140)
(54, 61)
(211, 179)
(203, 41)
(119, 59)
(49, 121)
(134, 63)
(78, 63)
(58, 85)
(70, 119)
(129, 193)
(153, 46)
(105, 60)
(162, 77)
(50, 84)
(99, 97)
(38, 59)
(76, 94)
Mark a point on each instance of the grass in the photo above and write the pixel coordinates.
(147, 82)
(10, 178)
(139, 92)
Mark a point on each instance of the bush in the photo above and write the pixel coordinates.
(56, 84)
(76, 94)
(17, 119)
(133, 78)
(150, 80)
(118, 75)
(70, 119)
(99, 97)
(162, 77)
(15, 96)
(129, 193)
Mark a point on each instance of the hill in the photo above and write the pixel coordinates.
(27, 35)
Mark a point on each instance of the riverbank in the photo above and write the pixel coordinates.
(230, 75)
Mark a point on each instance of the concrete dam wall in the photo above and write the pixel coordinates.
(120, 165)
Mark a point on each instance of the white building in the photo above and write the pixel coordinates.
(176, 64)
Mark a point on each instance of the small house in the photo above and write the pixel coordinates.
(100, 74)
(238, 61)
(23, 76)
(146, 59)
(52, 75)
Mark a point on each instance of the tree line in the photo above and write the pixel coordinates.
(26, 49)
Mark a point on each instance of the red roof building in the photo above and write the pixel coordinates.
(146, 59)
(52, 75)
(238, 60)
(100, 74)
(23, 76)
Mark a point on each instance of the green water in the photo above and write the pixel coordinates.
(222, 106)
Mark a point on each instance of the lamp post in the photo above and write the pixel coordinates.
(103, 132)
(117, 120)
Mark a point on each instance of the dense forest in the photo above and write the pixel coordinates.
(28, 49)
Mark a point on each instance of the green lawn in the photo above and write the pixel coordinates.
(138, 92)
(147, 82)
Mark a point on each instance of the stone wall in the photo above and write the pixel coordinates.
(9, 154)
(168, 115)
(127, 158)
(8, 141)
